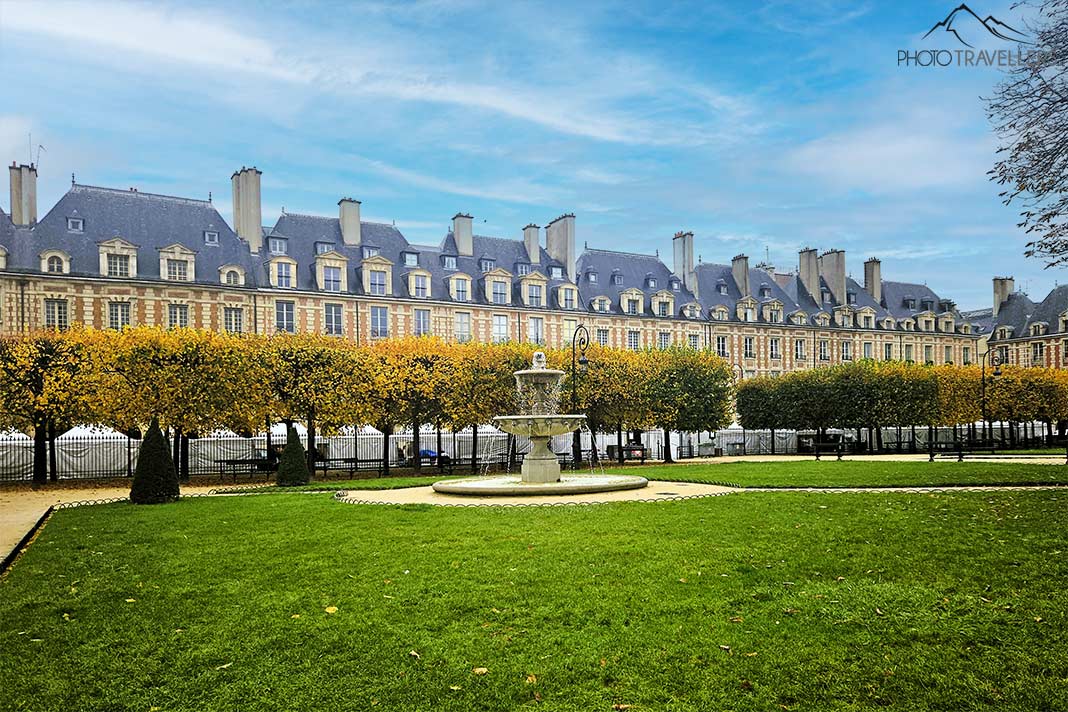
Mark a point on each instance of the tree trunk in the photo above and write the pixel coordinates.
(417, 445)
(176, 451)
(53, 471)
(474, 449)
(619, 443)
(312, 453)
(268, 446)
(512, 448)
(773, 441)
(40, 452)
(386, 432)
(667, 446)
(441, 460)
(183, 453)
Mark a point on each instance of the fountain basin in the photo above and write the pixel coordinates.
(539, 426)
(515, 486)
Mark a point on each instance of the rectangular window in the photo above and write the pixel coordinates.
(411, 259)
(602, 337)
(695, 341)
(378, 282)
(321, 248)
(449, 262)
(966, 355)
(908, 353)
(632, 306)
(928, 354)
(422, 286)
(847, 351)
(500, 328)
(461, 327)
(119, 265)
(486, 266)
(536, 330)
(663, 308)
(1038, 350)
(56, 314)
(500, 292)
(747, 348)
(523, 270)
(888, 352)
(569, 299)
(868, 349)
(799, 349)
(284, 273)
(556, 272)
(379, 322)
(773, 348)
(332, 279)
(279, 246)
(370, 252)
(75, 225)
(663, 340)
(949, 354)
(332, 319)
(421, 322)
(284, 319)
(233, 319)
(211, 237)
(721, 346)
(177, 315)
(118, 315)
(177, 270)
(634, 340)
(460, 285)
(825, 354)
(534, 295)
(776, 316)
(569, 330)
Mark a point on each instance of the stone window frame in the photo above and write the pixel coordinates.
(272, 271)
(454, 282)
(378, 263)
(534, 279)
(63, 257)
(117, 246)
(224, 270)
(331, 258)
(180, 253)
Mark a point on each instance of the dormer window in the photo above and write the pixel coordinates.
(370, 252)
(448, 262)
(765, 292)
(55, 264)
(674, 285)
(422, 286)
(851, 298)
(321, 248)
(486, 265)
(927, 304)
(331, 278)
(232, 277)
(411, 259)
(591, 277)
(279, 246)
(523, 269)
(650, 283)
(617, 279)
(211, 237)
(75, 225)
(556, 273)
(691, 311)
(118, 265)
(283, 274)
(721, 288)
(910, 303)
(534, 295)
(662, 308)
(825, 296)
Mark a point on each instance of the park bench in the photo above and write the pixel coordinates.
(961, 452)
(251, 465)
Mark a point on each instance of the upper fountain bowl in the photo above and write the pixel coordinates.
(539, 425)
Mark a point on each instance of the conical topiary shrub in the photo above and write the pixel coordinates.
(155, 479)
(293, 467)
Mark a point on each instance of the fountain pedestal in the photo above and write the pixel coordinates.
(540, 464)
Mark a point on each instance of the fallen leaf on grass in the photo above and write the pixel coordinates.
(725, 647)
(790, 611)
(840, 578)
(737, 619)
(1038, 619)
(537, 696)
(480, 670)
(414, 654)
(749, 655)
(454, 688)
(621, 707)
(331, 609)
(603, 662)
(746, 685)
(878, 611)
(295, 615)
(532, 679)
(223, 667)
(131, 600)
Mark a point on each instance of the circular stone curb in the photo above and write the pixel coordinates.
(513, 486)
(345, 499)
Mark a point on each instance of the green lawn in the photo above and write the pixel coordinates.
(749, 601)
(808, 473)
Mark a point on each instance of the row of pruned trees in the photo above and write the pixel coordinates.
(196, 382)
(872, 395)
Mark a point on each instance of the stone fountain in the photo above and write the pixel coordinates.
(539, 396)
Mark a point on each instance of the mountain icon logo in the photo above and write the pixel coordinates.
(962, 19)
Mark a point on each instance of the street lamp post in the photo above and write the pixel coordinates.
(580, 341)
(995, 361)
(737, 373)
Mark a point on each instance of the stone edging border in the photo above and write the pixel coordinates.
(343, 497)
(24, 542)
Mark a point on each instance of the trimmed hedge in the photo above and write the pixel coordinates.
(155, 480)
(293, 467)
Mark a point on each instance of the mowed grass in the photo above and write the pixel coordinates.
(807, 473)
(747, 601)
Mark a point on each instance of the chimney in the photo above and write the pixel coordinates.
(560, 243)
(873, 279)
(349, 217)
(1003, 287)
(740, 272)
(684, 267)
(461, 232)
(833, 270)
(808, 269)
(248, 214)
(23, 194)
(532, 239)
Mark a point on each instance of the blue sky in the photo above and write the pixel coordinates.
(761, 127)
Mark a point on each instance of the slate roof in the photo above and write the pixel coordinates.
(1019, 312)
(149, 221)
(982, 320)
(634, 270)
